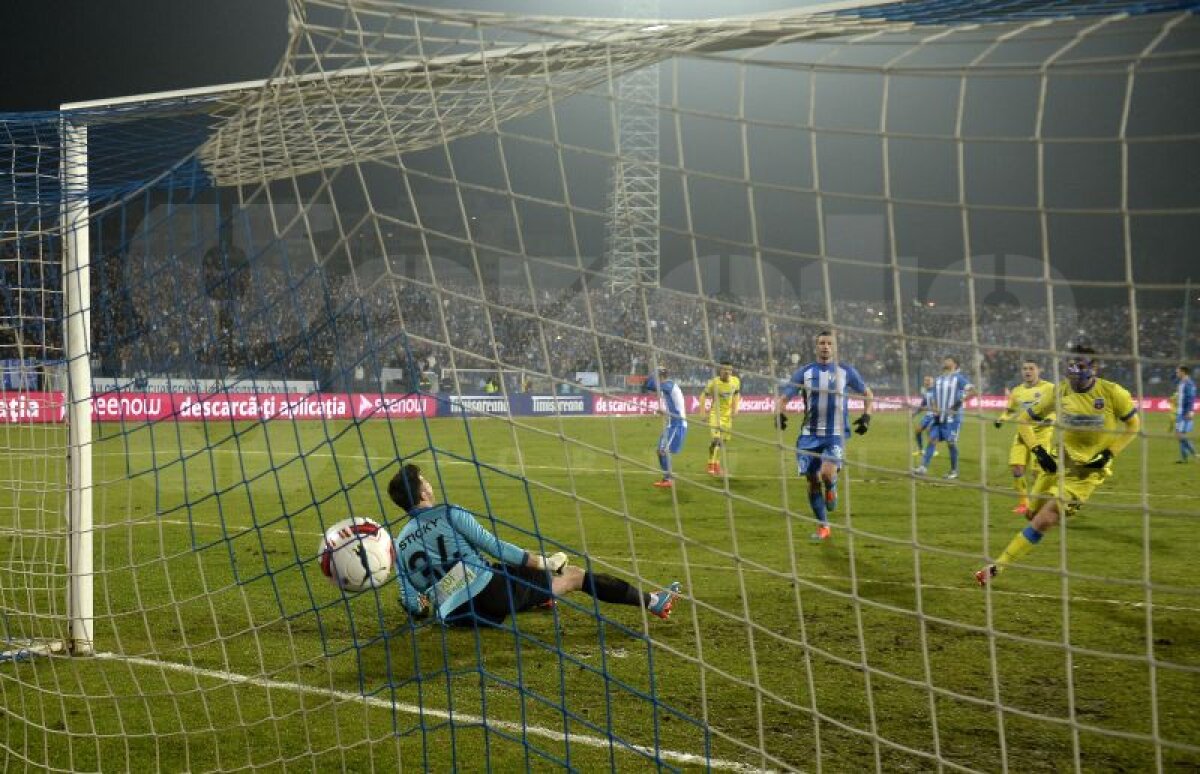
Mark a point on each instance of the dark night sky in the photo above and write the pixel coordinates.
(69, 50)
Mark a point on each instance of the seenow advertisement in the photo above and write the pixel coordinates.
(48, 407)
(42, 407)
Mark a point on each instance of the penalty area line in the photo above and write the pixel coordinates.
(412, 709)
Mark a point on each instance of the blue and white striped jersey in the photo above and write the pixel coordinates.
(670, 398)
(825, 388)
(1185, 397)
(439, 552)
(927, 400)
(949, 392)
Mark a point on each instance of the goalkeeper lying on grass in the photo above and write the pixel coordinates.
(439, 558)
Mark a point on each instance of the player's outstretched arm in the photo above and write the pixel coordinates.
(467, 526)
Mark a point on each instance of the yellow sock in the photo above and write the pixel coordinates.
(1020, 545)
(1022, 486)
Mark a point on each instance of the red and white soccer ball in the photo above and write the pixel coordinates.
(356, 554)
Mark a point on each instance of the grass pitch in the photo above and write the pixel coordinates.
(224, 648)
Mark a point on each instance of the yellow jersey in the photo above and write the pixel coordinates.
(725, 396)
(1089, 420)
(1023, 397)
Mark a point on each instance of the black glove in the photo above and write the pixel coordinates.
(862, 424)
(781, 421)
(1044, 460)
(1099, 461)
(998, 423)
(957, 405)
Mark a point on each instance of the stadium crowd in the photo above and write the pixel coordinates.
(313, 326)
(164, 317)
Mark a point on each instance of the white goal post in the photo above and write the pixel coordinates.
(78, 396)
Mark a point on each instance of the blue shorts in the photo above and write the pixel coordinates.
(944, 431)
(927, 421)
(812, 451)
(672, 439)
(1183, 425)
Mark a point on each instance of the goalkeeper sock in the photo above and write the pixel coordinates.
(714, 449)
(609, 589)
(953, 457)
(817, 501)
(1020, 545)
(929, 450)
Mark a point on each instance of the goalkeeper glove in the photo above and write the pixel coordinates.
(1099, 461)
(1044, 460)
(998, 423)
(423, 613)
(862, 424)
(556, 562)
(552, 563)
(781, 421)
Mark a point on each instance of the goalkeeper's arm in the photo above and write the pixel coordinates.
(415, 603)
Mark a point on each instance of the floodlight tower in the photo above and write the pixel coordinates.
(633, 210)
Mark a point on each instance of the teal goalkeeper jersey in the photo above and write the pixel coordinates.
(440, 553)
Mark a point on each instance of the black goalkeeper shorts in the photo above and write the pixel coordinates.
(511, 590)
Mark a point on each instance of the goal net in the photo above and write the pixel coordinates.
(465, 240)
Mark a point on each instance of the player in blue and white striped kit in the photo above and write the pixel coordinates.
(925, 409)
(1185, 406)
(440, 560)
(824, 385)
(671, 404)
(951, 389)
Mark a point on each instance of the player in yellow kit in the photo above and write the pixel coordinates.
(720, 399)
(1098, 420)
(1020, 399)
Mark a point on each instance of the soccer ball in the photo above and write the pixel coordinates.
(356, 554)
